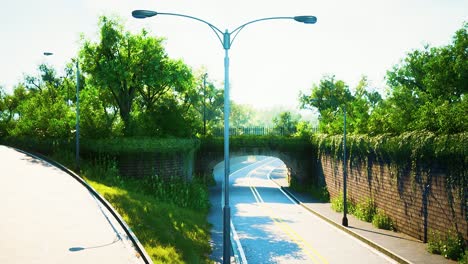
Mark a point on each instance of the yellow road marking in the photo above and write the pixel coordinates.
(291, 233)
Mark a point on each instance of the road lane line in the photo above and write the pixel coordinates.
(239, 245)
(233, 229)
(313, 254)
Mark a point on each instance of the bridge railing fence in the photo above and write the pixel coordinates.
(257, 131)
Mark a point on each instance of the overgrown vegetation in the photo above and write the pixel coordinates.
(317, 192)
(338, 205)
(365, 210)
(451, 245)
(383, 221)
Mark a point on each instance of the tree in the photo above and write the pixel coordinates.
(131, 66)
(39, 107)
(427, 90)
(241, 115)
(329, 97)
(286, 123)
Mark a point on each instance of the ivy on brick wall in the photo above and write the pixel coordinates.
(419, 152)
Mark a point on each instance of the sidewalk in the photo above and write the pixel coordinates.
(49, 217)
(398, 246)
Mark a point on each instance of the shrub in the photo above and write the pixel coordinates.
(317, 192)
(320, 193)
(453, 246)
(338, 206)
(383, 221)
(365, 210)
(435, 242)
(450, 245)
(464, 259)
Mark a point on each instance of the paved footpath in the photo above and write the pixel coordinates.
(399, 246)
(46, 216)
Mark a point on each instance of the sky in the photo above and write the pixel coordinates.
(271, 62)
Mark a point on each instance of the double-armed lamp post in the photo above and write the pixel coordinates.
(226, 38)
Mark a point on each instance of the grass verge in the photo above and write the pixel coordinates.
(168, 217)
(170, 234)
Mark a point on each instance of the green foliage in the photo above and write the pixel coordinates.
(177, 191)
(451, 245)
(114, 146)
(338, 206)
(365, 210)
(135, 71)
(382, 220)
(286, 123)
(428, 91)
(168, 232)
(435, 242)
(318, 192)
(405, 151)
(464, 259)
(332, 98)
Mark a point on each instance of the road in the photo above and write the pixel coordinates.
(49, 217)
(272, 228)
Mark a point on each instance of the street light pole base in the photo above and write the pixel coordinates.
(226, 235)
(345, 221)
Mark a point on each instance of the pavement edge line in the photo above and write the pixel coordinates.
(237, 249)
(376, 246)
(138, 246)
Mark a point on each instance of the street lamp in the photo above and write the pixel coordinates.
(344, 222)
(204, 103)
(226, 42)
(77, 148)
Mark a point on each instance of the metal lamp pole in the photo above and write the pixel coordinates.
(204, 103)
(77, 116)
(77, 147)
(345, 204)
(226, 42)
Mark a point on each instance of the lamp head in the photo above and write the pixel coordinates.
(306, 19)
(143, 13)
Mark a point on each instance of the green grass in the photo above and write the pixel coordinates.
(169, 234)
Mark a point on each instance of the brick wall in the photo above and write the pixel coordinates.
(140, 165)
(416, 203)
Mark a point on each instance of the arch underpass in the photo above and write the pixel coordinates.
(299, 155)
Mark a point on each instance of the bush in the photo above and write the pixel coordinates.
(453, 246)
(318, 192)
(450, 245)
(464, 259)
(365, 210)
(435, 243)
(338, 206)
(383, 221)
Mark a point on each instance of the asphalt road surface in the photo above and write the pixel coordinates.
(272, 228)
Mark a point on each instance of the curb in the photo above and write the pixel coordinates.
(376, 246)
